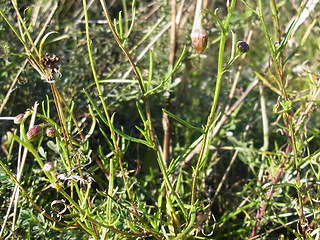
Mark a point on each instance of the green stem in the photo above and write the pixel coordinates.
(42, 211)
(214, 104)
(21, 40)
(25, 28)
(110, 192)
(155, 143)
(110, 124)
(215, 17)
(271, 47)
(125, 13)
(288, 118)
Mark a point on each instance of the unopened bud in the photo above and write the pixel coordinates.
(34, 132)
(18, 119)
(199, 39)
(51, 132)
(243, 46)
(48, 166)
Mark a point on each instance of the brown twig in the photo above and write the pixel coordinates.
(165, 119)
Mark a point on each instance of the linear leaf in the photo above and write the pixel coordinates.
(183, 122)
(122, 134)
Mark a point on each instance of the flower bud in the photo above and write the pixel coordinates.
(243, 46)
(18, 119)
(51, 132)
(199, 39)
(48, 166)
(34, 132)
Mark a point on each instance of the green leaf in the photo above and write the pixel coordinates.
(120, 27)
(174, 163)
(285, 40)
(141, 77)
(133, 13)
(141, 130)
(42, 153)
(249, 7)
(150, 70)
(43, 41)
(122, 134)
(140, 112)
(183, 122)
(170, 74)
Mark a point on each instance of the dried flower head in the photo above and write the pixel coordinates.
(34, 132)
(48, 166)
(51, 132)
(18, 119)
(199, 39)
(50, 64)
(243, 46)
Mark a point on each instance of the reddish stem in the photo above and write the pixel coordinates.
(261, 211)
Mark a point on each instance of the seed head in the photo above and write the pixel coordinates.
(34, 132)
(18, 119)
(243, 46)
(50, 63)
(199, 39)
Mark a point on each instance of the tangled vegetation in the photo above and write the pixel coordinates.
(159, 119)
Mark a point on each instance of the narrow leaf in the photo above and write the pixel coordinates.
(183, 122)
(43, 41)
(125, 136)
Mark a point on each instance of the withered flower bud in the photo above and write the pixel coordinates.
(51, 132)
(34, 132)
(199, 39)
(48, 166)
(243, 46)
(50, 63)
(18, 119)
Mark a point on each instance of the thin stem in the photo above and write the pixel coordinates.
(66, 137)
(197, 14)
(125, 13)
(5, 100)
(21, 40)
(287, 117)
(110, 123)
(166, 124)
(28, 196)
(265, 123)
(25, 28)
(155, 143)
(210, 120)
(110, 191)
